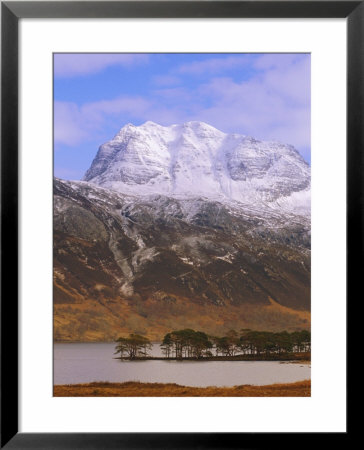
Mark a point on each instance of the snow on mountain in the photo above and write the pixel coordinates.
(183, 222)
(197, 160)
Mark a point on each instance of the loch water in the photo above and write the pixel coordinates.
(88, 362)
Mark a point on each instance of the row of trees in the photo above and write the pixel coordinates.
(188, 343)
(262, 342)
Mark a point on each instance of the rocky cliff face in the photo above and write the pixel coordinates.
(182, 226)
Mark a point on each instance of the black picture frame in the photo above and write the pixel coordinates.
(11, 12)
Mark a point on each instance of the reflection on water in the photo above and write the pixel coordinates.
(87, 362)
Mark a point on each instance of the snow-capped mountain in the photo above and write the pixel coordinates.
(195, 159)
(182, 226)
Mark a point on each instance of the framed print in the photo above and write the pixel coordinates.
(188, 217)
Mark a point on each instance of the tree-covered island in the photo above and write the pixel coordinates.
(188, 344)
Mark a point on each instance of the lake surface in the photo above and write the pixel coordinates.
(87, 362)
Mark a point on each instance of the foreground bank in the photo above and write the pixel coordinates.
(136, 389)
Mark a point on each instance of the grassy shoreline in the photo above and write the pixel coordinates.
(136, 389)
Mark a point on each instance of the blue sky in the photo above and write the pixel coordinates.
(266, 96)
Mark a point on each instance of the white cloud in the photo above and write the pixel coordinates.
(73, 123)
(214, 65)
(69, 125)
(79, 64)
(273, 104)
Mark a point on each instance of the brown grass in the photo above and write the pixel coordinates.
(88, 320)
(135, 389)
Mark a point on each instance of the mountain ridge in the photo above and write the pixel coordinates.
(196, 159)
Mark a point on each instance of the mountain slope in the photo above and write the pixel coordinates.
(152, 263)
